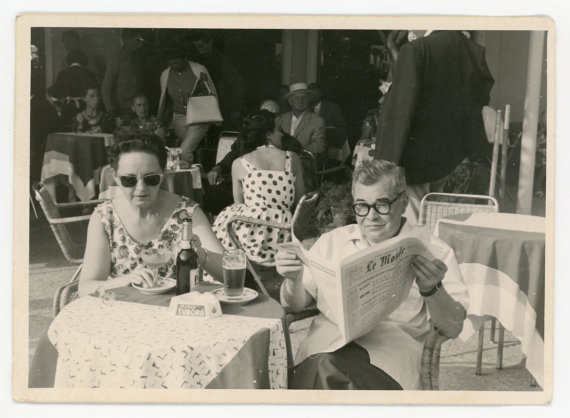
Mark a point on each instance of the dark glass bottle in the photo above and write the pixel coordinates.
(187, 271)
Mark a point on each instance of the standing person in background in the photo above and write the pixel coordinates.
(301, 122)
(123, 75)
(431, 118)
(181, 80)
(69, 84)
(228, 81)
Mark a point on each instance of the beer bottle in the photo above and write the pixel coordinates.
(187, 272)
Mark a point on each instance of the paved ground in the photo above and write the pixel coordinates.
(49, 270)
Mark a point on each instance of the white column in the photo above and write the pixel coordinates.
(49, 56)
(530, 122)
(286, 55)
(312, 55)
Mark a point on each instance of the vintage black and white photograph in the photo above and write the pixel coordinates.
(349, 211)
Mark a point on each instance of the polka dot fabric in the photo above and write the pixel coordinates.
(268, 196)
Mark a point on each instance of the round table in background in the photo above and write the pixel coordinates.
(502, 260)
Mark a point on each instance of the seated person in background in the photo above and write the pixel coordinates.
(267, 182)
(145, 217)
(140, 120)
(330, 112)
(389, 356)
(93, 119)
(301, 122)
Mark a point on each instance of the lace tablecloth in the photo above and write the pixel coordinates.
(132, 345)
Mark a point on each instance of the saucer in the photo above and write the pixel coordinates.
(168, 284)
(247, 296)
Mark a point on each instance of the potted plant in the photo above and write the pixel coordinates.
(334, 208)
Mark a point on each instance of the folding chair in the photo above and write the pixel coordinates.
(310, 178)
(209, 157)
(266, 277)
(434, 206)
(72, 250)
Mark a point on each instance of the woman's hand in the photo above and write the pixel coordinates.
(288, 264)
(141, 276)
(200, 251)
(428, 273)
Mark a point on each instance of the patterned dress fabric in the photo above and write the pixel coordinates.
(126, 252)
(268, 196)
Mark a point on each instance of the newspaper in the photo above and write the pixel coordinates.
(368, 286)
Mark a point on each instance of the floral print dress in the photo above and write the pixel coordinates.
(268, 196)
(126, 253)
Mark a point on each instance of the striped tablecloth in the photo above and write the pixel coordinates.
(79, 157)
(140, 345)
(502, 260)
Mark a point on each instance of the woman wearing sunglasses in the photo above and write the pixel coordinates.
(144, 218)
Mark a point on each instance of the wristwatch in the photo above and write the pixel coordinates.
(432, 291)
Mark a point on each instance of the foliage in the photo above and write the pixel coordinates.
(335, 205)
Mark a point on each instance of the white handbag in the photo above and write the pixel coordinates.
(203, 109)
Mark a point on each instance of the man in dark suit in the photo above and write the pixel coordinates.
(431, 118)
(331, 114)
(301, 122)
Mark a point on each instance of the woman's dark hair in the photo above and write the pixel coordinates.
(78, 57)
(139, 142)
(254, 129)
(89, 85)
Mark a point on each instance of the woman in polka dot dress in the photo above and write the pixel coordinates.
(267, 182)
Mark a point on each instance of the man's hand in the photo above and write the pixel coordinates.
(428, 273)
(215, 175)
(288, 265)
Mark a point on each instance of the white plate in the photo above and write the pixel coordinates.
(248, 295)
(168, 284)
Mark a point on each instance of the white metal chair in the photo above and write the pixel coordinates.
(270, 284)
(73, 251)
(434, 206)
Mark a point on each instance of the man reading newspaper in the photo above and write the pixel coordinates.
(388, 356)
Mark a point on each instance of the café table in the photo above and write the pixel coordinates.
(77, 157)
(134, 342)
(502, 259)
(184, 182)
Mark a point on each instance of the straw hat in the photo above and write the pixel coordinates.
(300, 88)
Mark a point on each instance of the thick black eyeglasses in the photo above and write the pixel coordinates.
(150, 180)
(382, 207)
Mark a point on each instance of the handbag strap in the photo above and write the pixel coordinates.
(197, 70)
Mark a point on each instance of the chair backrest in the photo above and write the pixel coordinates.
(227, 138)
(310, 178)
(437, 205)
(304, 213)
(72, 251)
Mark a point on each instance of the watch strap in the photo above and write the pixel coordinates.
(432, 291)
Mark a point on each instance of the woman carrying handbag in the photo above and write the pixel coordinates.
(188, 101)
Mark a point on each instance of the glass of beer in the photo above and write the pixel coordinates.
(233, 264)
